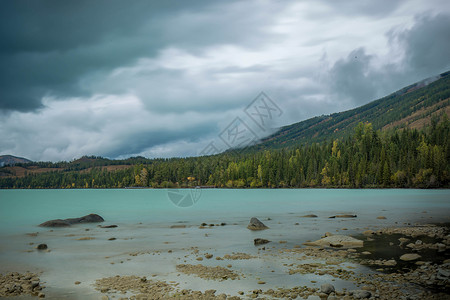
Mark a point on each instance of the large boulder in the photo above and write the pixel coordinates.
(256, 224)
(337, 241)
(91, 218)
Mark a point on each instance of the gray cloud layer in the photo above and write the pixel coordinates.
(163, 78)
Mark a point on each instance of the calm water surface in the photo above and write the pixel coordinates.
(144, 218)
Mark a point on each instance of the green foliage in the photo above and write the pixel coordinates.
(367, 158)
(416, 98)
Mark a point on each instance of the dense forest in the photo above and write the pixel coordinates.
(368, 158)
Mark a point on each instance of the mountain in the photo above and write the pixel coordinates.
(9, 160)
(412, 106)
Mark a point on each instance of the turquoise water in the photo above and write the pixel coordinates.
(144, 218)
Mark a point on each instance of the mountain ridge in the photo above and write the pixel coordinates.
(10, 160)
(425, 98)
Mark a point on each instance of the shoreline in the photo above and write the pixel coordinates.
(339, 265)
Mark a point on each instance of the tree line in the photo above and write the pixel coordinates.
(368, 158)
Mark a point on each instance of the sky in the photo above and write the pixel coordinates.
(183, 78)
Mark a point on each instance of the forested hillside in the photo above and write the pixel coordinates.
(412, 107)
(367, 158)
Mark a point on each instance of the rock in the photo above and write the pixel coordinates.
(178, 226)
(259, 241)
(55, 223)
(443, 274)
(361, 294)
(208, 256)
(256, 224)
(77, 282)
(109, 226)
(332, 298)
(381, 218)
(41, 246)
(390, 263)
(41, 295)
(112, 239)
(368, 232)
(261, 282)
(343, 216)
(309, 216)
(327, 288)
(313, 297)
(410, 256)
(337, 241)
(366, 253)
(403, 240)
(104, 297)
(91, 218)
(86, 238)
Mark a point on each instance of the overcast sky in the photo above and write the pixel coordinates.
(167, 78)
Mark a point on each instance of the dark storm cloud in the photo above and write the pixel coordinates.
(425, 48)
(49, 46)
(163, 78)
(427, 45)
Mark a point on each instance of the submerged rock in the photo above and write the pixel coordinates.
(55, 223)
(410, 256)
(343, 216)
(108, 226)
(337, 241)
(259, 241)
(256, 224)
(309, 216)
(91, 218)
(178, 226)
(42, 247)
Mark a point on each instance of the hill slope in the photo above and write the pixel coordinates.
(410, 107)
(9, 160)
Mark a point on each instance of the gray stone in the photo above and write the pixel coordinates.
(361, 294)
(256, 224)
(327, 288)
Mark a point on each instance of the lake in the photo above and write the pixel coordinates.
(143, 237)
